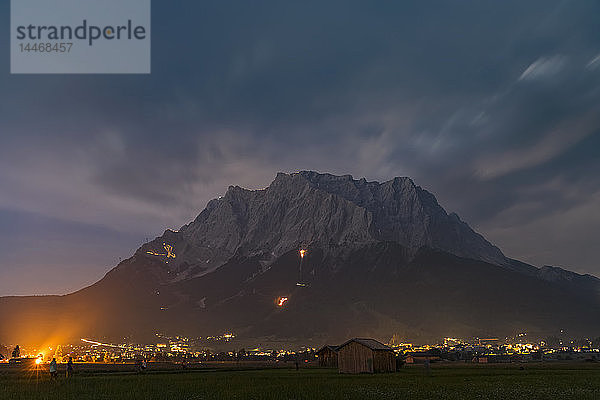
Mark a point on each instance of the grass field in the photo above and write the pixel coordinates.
(456, 381)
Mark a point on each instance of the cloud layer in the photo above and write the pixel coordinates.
(490, 105)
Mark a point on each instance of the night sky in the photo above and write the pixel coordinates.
(493, 106)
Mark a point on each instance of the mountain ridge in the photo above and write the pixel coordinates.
(382, 258)
(395, 210)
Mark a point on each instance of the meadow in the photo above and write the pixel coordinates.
(453, 381)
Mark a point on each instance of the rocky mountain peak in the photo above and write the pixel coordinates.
(327, 211)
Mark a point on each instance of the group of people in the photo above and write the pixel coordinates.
(140, 367)
(53, 369)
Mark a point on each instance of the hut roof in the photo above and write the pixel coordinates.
(370, 343)
(328, 346)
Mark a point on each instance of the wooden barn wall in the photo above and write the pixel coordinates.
(384, 361)
(355, 358)
(328, 358)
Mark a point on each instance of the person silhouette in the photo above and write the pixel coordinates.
(70, 367)
(53, 369)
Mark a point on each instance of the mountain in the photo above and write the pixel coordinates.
(379, 259)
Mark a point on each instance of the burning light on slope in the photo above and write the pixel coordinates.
(169, 252)
(302, 253)
(169, 249)
(281, 301)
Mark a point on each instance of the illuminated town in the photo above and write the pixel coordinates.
(180, 349)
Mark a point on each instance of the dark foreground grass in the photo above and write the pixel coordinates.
(580, 381)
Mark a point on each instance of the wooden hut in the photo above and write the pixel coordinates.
(365, 356)
(328, 356)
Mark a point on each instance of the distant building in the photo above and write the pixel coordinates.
(488, 341)
(365, 356)
(416, 358)
(498, 358)
(328, 356)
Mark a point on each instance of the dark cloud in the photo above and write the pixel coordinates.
(491, 105)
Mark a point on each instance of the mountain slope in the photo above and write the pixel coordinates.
(382, 258)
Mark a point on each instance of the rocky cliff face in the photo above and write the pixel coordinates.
(321, 210)
(404, 213)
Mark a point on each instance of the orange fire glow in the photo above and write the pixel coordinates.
(281, 301)
(302, 253)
